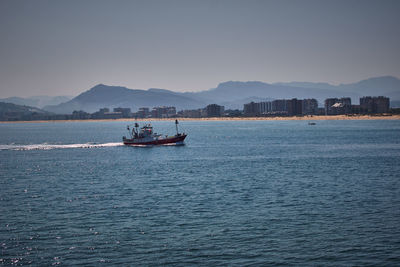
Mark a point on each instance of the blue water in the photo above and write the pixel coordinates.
(239, 193)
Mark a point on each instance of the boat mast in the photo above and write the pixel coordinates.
(137, 130)
(129, 131)
(176, 125)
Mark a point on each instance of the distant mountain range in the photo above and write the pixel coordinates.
(386, 85)
(232, 95)
(37, 101)
(235, 94)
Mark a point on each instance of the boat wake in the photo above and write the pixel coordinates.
(46, 146)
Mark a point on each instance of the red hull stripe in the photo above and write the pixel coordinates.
(158, 142)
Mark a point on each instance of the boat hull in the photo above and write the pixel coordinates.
(177, 139)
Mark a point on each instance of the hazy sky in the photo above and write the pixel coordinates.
(66, 47)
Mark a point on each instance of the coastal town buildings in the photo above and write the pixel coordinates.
(376, 104)
(105, 113)
(214, 110)
(279, 107)
(163, 112)
(191, 113)
(294, 107)
(288, 107)
(338, 106)
(80, 115)
(310, 106)
(143, 113)
(251, 109)
(125, 112)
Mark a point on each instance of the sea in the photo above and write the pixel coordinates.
(238, 193)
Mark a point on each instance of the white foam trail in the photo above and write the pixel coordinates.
(46, 146)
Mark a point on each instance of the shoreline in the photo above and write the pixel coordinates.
(303, 118)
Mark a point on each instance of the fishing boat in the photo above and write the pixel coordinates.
(145, 136)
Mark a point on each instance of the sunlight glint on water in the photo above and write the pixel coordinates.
(238, 193)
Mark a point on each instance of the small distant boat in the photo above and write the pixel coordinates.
(311, 123)
(145, 136)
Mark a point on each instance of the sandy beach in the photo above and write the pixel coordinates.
(304, 118)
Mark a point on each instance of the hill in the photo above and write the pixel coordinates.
(11, 112)
(116, 96)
